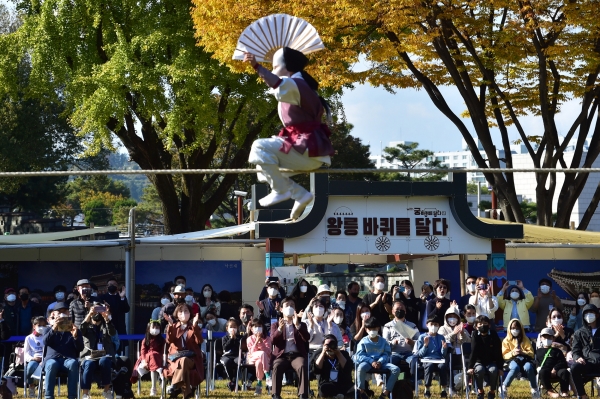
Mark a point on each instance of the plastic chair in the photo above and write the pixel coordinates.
(42, 375)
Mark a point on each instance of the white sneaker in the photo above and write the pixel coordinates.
(535, 394)
(274, 198)
(152, 392)
(300, 205)
(85, 396)
(107, 394)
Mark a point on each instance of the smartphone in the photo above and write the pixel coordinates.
(99, 309)
(512, 282)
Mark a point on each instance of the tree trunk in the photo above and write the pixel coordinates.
(590, 211)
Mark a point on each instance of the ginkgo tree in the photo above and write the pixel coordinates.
(508, 59)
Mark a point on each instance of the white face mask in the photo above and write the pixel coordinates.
(211, 322)
(189, 299)
(319, 311)
(545, 289)
(379, 286)
(372, 333)
(303, 288)
(547, 342)
(452, 321)
(272, 291)
(581, 301)
(515, 333)
(40, 330)
(257, 330)
(232, 330)
(154, 331)
(557, 322)
(365, 315)
(471, 319)
(289, 311)
(589, 317)
(207, 293)
(341, 304)
(595, 301)
(183, 317)
(397, 296)
(433, 329)
(471, 287)
(164, 301)
(440, 296)
(407, 291)
(515, 295)
(11, 298)
(60, 296)
(338, 319)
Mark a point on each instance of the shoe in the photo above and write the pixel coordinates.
(152, 392)
(107, 394)
(479, 395)
(274, 198)
(491, 395)
(339, 396)
(85, 396)
(300, 205)
(427, 394)
(248, 386)
(231, 386)
(535, 394)
(443, 394)
(31, 393)
(258, 390)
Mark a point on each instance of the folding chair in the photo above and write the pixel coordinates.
(162, 379)
(383, 374)
(416, 370)
(499, 387)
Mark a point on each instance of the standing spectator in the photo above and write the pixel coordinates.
(228, 308)
(411, 303)
(11, 310)
(379, 301)
(268, 307)
(545, 300)
(432, 345)
(586, 349)
(208, 301)
(78, 308)
(437, 306)
(486, 356)
(400, 345)
(485, 303)
(164, 300)
(334, 368)
(118, 304)
(516, 301)
(471, 288)
(302, 294)
(264, 292)
(60, 294)
(34, 348)
(26, 311)
(427, 295)
(518, 352)
(595, 298)
(180, 280)
(576, 318)
(5, 332)
(353, 301)
(551, 362)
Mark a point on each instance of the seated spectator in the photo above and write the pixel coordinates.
(437, 306)
(231, 348)
(178, 295)
(518, 352)
(79, 307)
(97, 329)
(379, 301)
(290, 337)
(341, 299)
(373, 354)
(319, 326)
(358, 330)
(60, 294)
(470, 315)
(191, 301)
(184, 337)
(339, 318)
(34, 348)
(324, 296)
(63, 344)
(516, 301)
(545, 300)
(471, 288)
(432, 345)
(151, 356)
(586, 349)
(164, 300)
(401, 345)
(485, 303)
(214, 323)
(246, 316)
(595, 298)
(455, 335)
(281, 290)
(562, 334)
(228, 305)
(259, 354)
(302, 294)
(334, 370)
(11, 310)
(268, 307)
(353, 301)
(576, 317)
(486, 357)
(552, 363)
(208, 301)
(411, 303)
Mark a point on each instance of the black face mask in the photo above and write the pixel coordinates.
(245, 319)
(325, 302)
(180, 300)
(24, 297)
(483, 329)
(86, 292)
(400, 313)
(112, 289)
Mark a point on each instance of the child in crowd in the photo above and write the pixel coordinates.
(150, 358)
(552, 363)
(432, 345)
(259, 354)
(231, 349)
(455, 335)
(486, 357)
(34, 347)
(470, 315)
(518, 352)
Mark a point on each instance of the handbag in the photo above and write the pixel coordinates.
(180, 354)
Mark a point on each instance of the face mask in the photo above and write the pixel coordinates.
(452, 321)
(183, 317)
(441, 296)
(545, 289)
(11, 298)
(211, 322)
(94, 294)
(112, 289)
(557, 322)
(289, 311)
(589, 317)
(595, 301)
(338, 319)
(207, 293)
(319, 311)
(245, 319)
(471, 287)
(59, 296)
(408, 291)
(515, 333)
(40, 330)
(189, 298)
(547, 342)
(379, 286)
(257, 330)
(483, 329)
(397, 296)
(154, 331)
(433, 329)
(341, 304)
(303, 288)
(372, 333)
(232, 330)
(24, 297)
(164, 301)
(400, 314)
(180, 299)
(471, 319)
(272, 291)
(365, 315)
(581, 301)
(515, 295)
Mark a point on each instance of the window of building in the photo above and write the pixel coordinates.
(464, 157)
(464, 164)
(455, 157)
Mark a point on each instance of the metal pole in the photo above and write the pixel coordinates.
(130, 272)
(462, 263)
(478, 198)
(240, 209)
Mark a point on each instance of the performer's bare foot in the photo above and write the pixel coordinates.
(274, 198)
(300, 205)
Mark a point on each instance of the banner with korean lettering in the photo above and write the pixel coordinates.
(394, 225)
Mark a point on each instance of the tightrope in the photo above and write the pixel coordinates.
(251, 171)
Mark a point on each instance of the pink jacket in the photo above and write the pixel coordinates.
(254, 346)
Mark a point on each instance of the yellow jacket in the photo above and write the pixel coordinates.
(509, 343)
(523, 306)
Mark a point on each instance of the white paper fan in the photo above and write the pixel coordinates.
(265, 36)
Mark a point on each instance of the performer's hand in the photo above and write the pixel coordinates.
(249, 57)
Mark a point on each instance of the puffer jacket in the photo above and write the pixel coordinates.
(454, 340)
(586, 345)
(510, 343)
